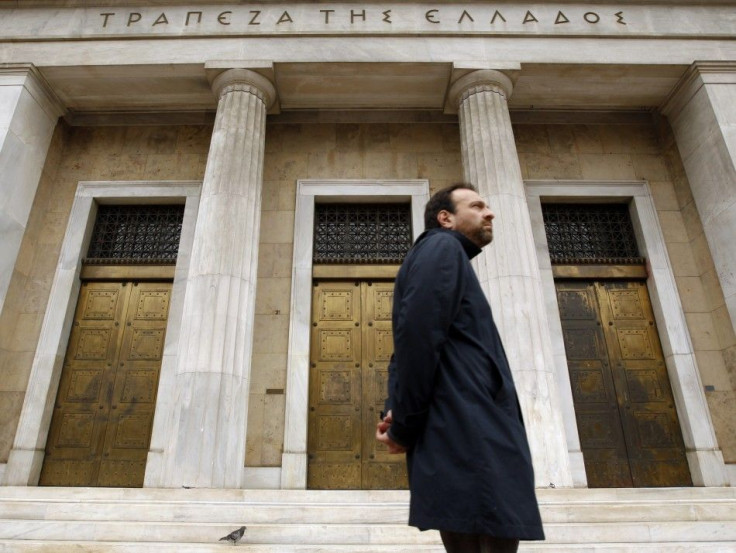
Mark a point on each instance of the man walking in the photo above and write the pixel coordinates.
(453, 405)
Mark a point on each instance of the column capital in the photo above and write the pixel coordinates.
(481, 80)
(28, 76)
(244, 80)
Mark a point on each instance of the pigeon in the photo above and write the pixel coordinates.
(235, 536)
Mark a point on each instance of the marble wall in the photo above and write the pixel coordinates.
(348, 148)
(77, 154)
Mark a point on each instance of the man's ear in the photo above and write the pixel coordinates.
(446, 219)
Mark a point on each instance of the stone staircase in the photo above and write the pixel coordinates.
(87, 520)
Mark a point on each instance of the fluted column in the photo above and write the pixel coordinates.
(206, 447)
(508, 268)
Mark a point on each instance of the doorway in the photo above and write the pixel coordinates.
(627, 422)
(102, 420)
(350, 347)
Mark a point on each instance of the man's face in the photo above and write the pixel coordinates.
(472, 217)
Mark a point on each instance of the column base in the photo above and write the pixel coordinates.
(294, 471)
(23, 467)
(707, 468)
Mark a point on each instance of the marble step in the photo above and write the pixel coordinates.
(94, 519)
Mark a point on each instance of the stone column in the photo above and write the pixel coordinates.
(508, 269)
(28, 115)
(702, 112)
(206, 445)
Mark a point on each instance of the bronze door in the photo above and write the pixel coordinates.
(351, 344)
(628, 426)
(103, 416)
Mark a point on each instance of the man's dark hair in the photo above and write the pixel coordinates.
(442, 200)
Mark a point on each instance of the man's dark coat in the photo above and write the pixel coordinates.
(453, 399)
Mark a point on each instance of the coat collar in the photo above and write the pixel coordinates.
(471, 249)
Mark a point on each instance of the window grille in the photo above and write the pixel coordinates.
(584, 233)
(361, 233)
(136, 234)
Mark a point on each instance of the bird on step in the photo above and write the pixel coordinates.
(235, 536)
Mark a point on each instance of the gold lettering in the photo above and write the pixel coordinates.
(133, 17)
(106, 16)
(253, 21)
(387, 16)
(561, 18)
(620, 18)
(464, 15)
(497, 14)
(354, 14)
(221, 19)
(285, 18)
(529, 17)
(199, 17)
(591, 17)
(161, 19)
(327, 14)
(430, 16)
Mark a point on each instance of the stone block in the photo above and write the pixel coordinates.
(673, 226)
(691, 219)
(587, 139)
(348, 137)
(723, 412)
(122, 167)
(701, 251)
(330, 164)
(607, 166)
(35, 295)
(273, 296)
(285, 166)
(713, 370)
(692, 296)
(561, 166)
(193, 139)
(532, 139)
(12, 403)
(273, 430)
(724, 327)
(269, 196)
(307, 139)
(440, 165)
(729, 360)
(268, 372)
(277, 227)
(450, 138)
(562, 139)
(150, 140)
(274, 260)
(682, 259)
(712, 288)
(663, 194)
(271, 334)
(392, 165)
(15, 368)
(625, 139)
(377, 138)
(650, 167)
(254, 435)
(415, 138)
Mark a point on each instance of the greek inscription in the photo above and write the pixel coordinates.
(529, 18)
(133, 17)
(285, 18)
(497, 15)
(591, 17)
(107, 16)
(561, 18)
(431, 16)
(464, 15)
(224, 18)
(354, 14)
(256, 14)
(189, 14)
(387, 16)
(161, 20)
(620, 18)
(327, 15)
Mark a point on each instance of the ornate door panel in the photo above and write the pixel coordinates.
(625, 413)
(652, 430)
(351, 344)
(101, 426)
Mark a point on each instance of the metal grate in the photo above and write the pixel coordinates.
(583, 233)
(127, 234)
(361, 233)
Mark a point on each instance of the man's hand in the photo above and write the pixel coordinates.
(382, 435)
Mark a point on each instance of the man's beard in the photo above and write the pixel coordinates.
(482, 236)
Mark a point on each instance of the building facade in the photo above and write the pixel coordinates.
(246, 360)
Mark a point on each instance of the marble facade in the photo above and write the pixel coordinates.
(248, 136)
